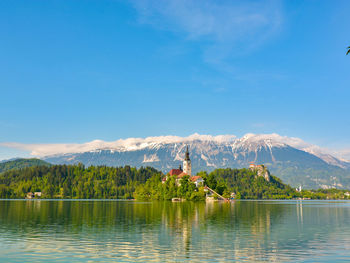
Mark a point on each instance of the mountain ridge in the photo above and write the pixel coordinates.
(131, 144)
(286, 157)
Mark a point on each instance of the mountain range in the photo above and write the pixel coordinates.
(293, 160)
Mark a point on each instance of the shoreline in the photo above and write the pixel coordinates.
(169, 201)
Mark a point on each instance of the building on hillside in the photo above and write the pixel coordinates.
(176, 171)
(179, 177)
(261, 171)
(172, 172)
(197, 180)
(30, 195)
(187, 170)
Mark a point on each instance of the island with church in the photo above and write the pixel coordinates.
(179, 184)
(187, 170)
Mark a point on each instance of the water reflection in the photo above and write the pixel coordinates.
(163, 231)
(299, 206)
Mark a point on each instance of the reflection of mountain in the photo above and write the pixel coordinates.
(131, 231)
(290, 159)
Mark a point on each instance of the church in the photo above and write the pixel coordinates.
(187, 170)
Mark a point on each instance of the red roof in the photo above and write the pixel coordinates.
(195, 178)
(182, 174)
(175, 172)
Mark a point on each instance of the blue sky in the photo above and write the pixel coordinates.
(76, 71)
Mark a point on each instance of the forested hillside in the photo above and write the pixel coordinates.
(243, 182)
(68, 181)
(101, 182)
(21, 163)
(248, 186)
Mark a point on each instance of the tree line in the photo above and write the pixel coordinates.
(74, 181)
(145, 183)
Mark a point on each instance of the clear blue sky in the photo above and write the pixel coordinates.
(76, 71)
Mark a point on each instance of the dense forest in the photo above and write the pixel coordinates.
(244, 183)
(21, 163)
(154, 189)
(247, 185)
(68, 181)
(102, 182)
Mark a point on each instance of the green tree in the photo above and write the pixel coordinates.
(210, 180)
(186, 188)
(4, 191)
(66, 190)
(49, 191)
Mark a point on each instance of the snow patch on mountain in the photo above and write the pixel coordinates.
(150, 158)
(252, 142)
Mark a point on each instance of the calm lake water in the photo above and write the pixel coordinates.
(128, 231)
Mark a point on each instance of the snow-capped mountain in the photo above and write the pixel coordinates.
(291, 159)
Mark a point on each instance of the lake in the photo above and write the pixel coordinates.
(130, 231)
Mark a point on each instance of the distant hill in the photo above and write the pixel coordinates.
(21, 163)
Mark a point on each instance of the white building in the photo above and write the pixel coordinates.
(187, 170)
(197, 180)
(187, 163)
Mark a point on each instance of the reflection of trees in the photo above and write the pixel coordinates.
(242, 229)
(179, 218)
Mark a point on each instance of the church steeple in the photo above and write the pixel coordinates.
(187, 156)
(187, 162)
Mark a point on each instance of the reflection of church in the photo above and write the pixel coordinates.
(187, 170)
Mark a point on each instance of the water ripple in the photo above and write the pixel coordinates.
(110, 231)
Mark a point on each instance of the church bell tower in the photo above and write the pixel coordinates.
(187, 163)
